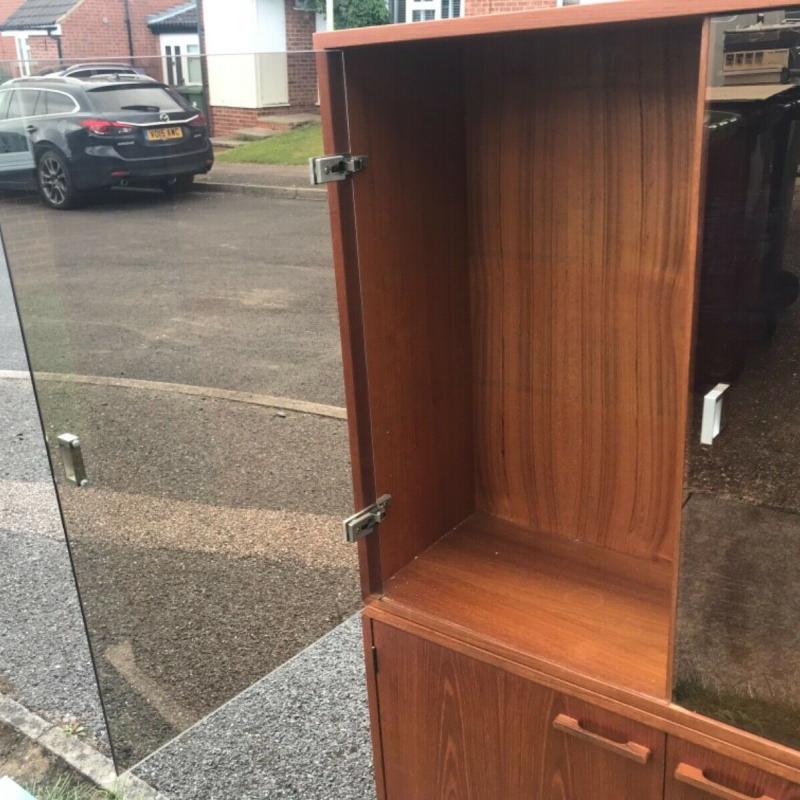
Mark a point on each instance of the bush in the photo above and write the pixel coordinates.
(357, 13)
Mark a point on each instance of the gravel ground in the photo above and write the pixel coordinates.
(301, 733)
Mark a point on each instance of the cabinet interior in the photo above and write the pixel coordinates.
(527, 232)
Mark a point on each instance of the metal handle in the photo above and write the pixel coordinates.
(631, 750)
(69, 446)
(31, 128)
(692, 776)
(712, 414)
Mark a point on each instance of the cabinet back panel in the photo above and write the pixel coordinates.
(582, 233)
(406, 113)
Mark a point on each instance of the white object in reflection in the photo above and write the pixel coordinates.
(712, 414)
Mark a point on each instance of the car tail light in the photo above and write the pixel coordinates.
(105, 127)
(199, 121)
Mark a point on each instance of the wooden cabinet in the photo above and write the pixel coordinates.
(454, 727)
(694, 773)
(518, 266)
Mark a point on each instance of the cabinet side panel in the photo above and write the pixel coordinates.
(330, 69)
(406, 114)
(582, 258)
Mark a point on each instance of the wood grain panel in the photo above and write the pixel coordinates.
(576, 769)
(457, 728)
(711, 734)
(330, 72)
(573, 16)
(406, 114)
(588, 609)
(725, 778)
(581, 251)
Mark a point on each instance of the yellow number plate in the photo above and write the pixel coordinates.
(162, 134)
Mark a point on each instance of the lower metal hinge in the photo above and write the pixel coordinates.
(364, 522)
(326, 169)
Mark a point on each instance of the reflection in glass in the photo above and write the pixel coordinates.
(738, 637)
(172, 334)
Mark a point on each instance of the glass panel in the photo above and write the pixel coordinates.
(186, 353)
(738, 638)
(44, 658)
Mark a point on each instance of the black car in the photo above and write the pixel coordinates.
(68, 136)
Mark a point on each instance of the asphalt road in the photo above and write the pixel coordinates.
(224, 290)
(206, 545)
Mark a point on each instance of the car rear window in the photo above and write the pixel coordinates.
(133, 98)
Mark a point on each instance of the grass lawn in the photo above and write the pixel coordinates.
(292, 147)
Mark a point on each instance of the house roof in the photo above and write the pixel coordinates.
(178, 19)
(38, 14)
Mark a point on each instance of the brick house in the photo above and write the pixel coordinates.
(275, 70)
(48, 32)
(8, 45)
(258, 60)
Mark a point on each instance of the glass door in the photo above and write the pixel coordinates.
(174, 276)
(738, 630)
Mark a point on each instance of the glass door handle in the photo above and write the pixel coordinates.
(712, 414)
(69, 446)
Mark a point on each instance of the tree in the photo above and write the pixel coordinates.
(357, 13)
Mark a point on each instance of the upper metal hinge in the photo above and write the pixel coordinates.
(364, 522)
(326, 169)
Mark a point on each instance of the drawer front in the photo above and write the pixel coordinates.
(453, 728)
(694, 773)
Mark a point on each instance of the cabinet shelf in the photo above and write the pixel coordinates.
(584, 608)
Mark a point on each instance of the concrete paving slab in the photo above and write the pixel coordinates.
(254, 134)
(301, 733)
(288, 121)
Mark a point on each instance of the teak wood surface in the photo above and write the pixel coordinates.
(586, 608)
(576, 16)
(410, 215)
(330, 72)
(709, 734)
(417, 232)
(456, 728)
(719, 777)
(581, 252)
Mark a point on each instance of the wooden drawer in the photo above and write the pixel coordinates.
(694, 773)
(453, 727)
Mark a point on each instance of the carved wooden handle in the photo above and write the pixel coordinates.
(635, 752)
(692, 776)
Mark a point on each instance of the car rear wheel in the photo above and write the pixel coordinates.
(55, 182)
(178, 184)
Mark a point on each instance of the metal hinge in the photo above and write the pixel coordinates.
(326, 169)
(364, 522)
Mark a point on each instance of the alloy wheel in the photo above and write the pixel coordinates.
(53, 180)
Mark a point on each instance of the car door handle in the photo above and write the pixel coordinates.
(31, 128)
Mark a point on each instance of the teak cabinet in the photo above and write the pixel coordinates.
(518, 223)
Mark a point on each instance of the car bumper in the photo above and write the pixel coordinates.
(102, 166)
